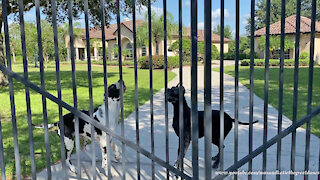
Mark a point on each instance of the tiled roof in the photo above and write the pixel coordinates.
(215, 38)
(290, 26)
(95, 32)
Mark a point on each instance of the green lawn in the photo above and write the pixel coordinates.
(83, 103)
(244, 77)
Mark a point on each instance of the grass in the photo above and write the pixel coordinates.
(83, 103)
(244, 78)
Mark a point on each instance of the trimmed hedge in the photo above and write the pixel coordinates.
(274, 62)
(232, 56)
(99, 62)
(158, 62)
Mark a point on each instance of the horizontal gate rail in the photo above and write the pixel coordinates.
(271, 142)
(87, 118)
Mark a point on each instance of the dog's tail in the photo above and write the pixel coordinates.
(245, 123)
(42, 126)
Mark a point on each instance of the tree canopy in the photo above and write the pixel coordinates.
(186, 49)
(157, 32)
(227, 31)
(110, 10)
(275, 11)
(274, 43)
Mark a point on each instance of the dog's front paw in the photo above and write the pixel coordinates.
(215, 165)
(117, 157)
(73, 169)
(177, 164)
(107, 174)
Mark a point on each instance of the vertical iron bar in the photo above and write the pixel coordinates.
(11, 91)
(251, 84)
(151, 85)
(283, 11)
(56, 54)
(74, 86)
(121, 91)
(310, 85)
(236, 92)
(295, 88)
(207, 89)
(136, 84)
(43, 87)
(166, 81)
(181, 121)
(2, 160)
(221, 85)
(194, 89)
(105, 78)
(266, 90)
(25, 70)
(93, 160)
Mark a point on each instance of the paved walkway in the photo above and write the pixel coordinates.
(159, 129)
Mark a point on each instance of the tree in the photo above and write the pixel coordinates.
(274, 44)
(186, 49)
(244, 45)
(157, 32)
(110, 10)
(227, 31)
(47, 43)
(275, 12)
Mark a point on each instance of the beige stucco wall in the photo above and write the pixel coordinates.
(304, 46)
(317, 49)
(78, 42)
(225, 47)
(126, 37)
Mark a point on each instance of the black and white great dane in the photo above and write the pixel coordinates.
(85, 128)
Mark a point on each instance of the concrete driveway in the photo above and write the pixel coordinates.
(159, 130)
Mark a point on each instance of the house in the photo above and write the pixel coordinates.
(290, 32)
(111, 37)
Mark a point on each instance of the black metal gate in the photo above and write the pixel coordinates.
(194, 90)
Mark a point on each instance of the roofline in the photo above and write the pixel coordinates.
(318, 32)
(189, 37)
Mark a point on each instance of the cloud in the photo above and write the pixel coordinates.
(141, 11)
(201, 25)
(187, 3)
(244, 19)
(216, 14)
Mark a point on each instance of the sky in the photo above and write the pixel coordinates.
(230, 12)
(172, 7)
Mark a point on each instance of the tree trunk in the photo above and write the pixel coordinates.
(157, 48)
(3, 77)
(13, 55)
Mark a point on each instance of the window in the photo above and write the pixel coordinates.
(276, 54)
(143, 50)
(129, 49)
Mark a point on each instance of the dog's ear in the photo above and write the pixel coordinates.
(183, 90)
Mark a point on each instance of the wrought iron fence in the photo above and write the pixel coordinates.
(194, 92)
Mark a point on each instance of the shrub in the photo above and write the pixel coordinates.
(231, 55)
(158, 62)
(274, 62)
(304, 55)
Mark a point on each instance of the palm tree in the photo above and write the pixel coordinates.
(157, 32)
